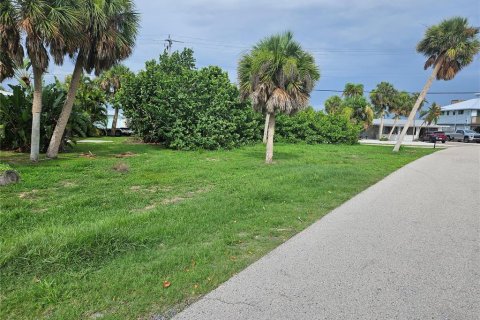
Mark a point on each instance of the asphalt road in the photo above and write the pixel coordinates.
(406, 248)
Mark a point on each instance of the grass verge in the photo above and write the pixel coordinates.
(125, 231)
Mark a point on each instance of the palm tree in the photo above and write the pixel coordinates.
(400, 106)
(111, 82)
(109, 30)
(353, 90)
(11, 50)
(449, 46)
(382, 97)
(431, 115)
(45, 25)
(277, 75)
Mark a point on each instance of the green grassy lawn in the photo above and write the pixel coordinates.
(79, 239)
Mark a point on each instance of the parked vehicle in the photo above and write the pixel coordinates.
(118, 132)
(434, 136)
(465, 136)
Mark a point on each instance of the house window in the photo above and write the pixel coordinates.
(460, 111)
(443, 113)
(453, 112)
(448, 113)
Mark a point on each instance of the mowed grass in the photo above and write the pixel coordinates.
(81, 240)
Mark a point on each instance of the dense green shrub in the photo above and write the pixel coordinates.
(314, 127)
(173, 103)
(16, 117)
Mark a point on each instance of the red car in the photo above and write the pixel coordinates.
(434, 136)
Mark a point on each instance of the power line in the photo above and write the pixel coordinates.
(215, 44)
(433, 92)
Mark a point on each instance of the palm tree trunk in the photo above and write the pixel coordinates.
(380, 131)
(271, 132)
(114, 122)
(265, 130)
(36, 114)
(393, 128)
(420, 99)
(57, 136)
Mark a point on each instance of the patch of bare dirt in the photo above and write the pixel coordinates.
(88, 155)
(188, 195)
(32, 194)
(151, 189)
(175, 199)
(121, 167)
(127, 154)
(68, 184)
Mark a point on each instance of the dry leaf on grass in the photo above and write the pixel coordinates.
(166, 284)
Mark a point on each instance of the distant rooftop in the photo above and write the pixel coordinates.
(402, 122)
(472, 104)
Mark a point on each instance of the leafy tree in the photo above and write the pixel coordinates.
(109, 32)
(111, 83)
(334, 105)
(449, 46)
(382, 99)
(173, 103)
(277, 76)
(315, 127)
(92, 100)
(45, 24)
(359, 110)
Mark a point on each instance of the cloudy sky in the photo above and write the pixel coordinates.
(364, 41)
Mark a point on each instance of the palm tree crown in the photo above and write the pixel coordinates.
(353, 90)
(432, 114)
(452, 43)
(277, 75)
(382, 97)
(111, 28)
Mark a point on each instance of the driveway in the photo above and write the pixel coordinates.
(406, 248)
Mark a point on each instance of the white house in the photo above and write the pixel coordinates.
(461, 115)
(5, 93)
(417, 128)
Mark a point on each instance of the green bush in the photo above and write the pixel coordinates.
(315, 127)
(172, 103)
(16, 118)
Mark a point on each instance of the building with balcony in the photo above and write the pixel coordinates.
(461, 115)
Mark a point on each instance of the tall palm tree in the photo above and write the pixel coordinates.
(277, 75)
(109, 32)
(449, 46)
(382, 97)
(45, 24)
(111, 82)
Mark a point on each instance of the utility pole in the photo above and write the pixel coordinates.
(169, 43)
